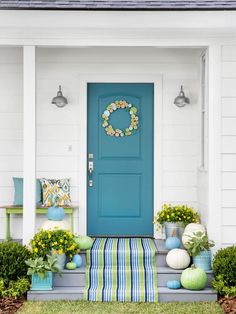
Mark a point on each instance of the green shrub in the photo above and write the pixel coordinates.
(14, 288)
(12, 261)
(224, 268)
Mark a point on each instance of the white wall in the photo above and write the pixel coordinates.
(228, 166)
(58, 129)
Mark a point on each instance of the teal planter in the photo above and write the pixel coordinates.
(55, 213)
(42, 284)
(203, 260)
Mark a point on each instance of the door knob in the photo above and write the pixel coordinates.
(90, 170)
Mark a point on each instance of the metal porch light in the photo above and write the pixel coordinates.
(60, 101)
(181, 100)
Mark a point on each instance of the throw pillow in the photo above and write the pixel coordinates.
(18, 196)
(56, 192)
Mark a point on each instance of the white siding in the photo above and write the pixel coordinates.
(58, 129)
(228, 144)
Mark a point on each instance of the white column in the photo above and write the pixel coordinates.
(29, 143)
(214, 162)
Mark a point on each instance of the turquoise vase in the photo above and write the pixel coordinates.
(42, 284)
(203, 260)
(55, 213)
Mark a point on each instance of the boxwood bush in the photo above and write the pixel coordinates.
(224, 268)
(12, 261)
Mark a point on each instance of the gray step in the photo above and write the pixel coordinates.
(76, 278)
(183, 295)
(58, 293)
(166, 273)
(164, 294)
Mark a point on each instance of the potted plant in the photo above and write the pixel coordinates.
(58, 242)
(41, 272)
(198, 246)
(174, 218)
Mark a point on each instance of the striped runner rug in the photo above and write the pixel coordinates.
(121, 269)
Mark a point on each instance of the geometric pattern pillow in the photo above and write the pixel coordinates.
(56, 192)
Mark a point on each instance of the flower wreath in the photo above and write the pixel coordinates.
(120, 104)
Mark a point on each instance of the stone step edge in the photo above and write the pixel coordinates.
(160, 270)
(79, 290)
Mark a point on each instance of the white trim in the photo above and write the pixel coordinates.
(82, 171)
(214, 145)
(29, 144)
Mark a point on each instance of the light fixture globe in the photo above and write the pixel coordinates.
(181, 100)
(60, 101)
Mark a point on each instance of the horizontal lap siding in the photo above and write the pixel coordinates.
(228, 145)
(11, 128)
(58, 129)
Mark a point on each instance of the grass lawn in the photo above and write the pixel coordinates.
(82, 307)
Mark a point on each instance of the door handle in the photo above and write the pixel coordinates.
(90, 171)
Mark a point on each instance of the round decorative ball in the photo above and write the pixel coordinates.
(77, 259)
(71, 266)
(178, 259)
(173, 284)
(172, 243)
(84, 242)
(50, 224)
(55, 213)
(193, 278)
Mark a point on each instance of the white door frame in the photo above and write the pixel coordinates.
(156, 79)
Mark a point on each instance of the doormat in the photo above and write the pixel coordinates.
(121, 269)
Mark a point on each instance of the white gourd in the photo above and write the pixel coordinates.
(51, 224)
(189, 230)
(178, 259)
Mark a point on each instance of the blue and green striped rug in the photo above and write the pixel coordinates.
(121, 269)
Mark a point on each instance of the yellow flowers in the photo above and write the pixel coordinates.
(36, 250)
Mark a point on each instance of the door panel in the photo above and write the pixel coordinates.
(120, 202)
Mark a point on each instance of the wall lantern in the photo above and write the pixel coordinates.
(60, 101)
(181, 100)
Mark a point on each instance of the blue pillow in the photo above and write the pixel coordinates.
(18, 183)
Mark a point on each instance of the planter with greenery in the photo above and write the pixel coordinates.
(13, 270)
(198, 246)
(58, 242)
(41, 272)
(174, 218)
(224, 268)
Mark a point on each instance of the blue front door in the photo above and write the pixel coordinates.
(120, 187)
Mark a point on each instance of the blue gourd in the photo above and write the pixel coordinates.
(77, 259)
(55, 213)
(172, 243)
(173, 284)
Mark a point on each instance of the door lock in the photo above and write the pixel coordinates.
(90, 170)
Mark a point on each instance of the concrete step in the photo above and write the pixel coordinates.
(166, 273)
(183, 295)
(76, 278)
(164, 294)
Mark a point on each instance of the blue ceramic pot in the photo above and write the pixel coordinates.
(55, 213)
(42, 284)
(203, 260)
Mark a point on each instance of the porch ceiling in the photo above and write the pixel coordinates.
(120, 4)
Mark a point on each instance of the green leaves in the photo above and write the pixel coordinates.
(40, 266)
(198, 242)
(14, 288)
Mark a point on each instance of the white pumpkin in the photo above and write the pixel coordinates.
(178, 259)
(189, 230)
(51, 224)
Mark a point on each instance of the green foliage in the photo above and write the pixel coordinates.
(57, 241)
(12, 260)
(198, 242)
(40, 267)
(14, 288)
(224, 268)
(178, 213)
